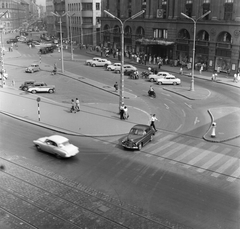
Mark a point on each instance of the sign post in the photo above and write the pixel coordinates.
(38, 101)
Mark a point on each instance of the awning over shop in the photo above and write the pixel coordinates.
(145, 41)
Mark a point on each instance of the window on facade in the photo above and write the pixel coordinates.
(129, 8)
(86, 6)
(228, 10)
(188, 7)
(206, 8)
(144, 5)
(164, 8)
(118, 9)
(3, 5)
(97, 6)
(160, 33)
(107, 4)
(87, 20)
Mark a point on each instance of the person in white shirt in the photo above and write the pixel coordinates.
(152, 121)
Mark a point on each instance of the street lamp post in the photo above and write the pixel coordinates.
(121, 95)
(61, 44)
(194, 43)
(70, 20)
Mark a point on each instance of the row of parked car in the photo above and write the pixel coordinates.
(158, 78)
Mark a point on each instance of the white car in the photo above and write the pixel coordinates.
(88, 62)
(100, 63)
(126, 68)
(112, 67)
(169, 80)
(159, 75)
(41, 87)
(56, 145)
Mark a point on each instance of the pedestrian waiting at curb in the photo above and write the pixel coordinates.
(121, 111)
(125, 113)
(72, 110)
(77, 105)
(116, 86)
(181, 70)
(152, 121)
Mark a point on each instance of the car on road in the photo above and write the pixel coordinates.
(111, 67)
(47, 49)
(27, 84)
(88, 62)
(56, 145)
(159, 75)
(101, 63)
(126, 68)
(41, 87)
(138, 136)
(33, 68)
(12, 40)
(169, 80)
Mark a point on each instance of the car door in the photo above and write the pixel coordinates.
(50, 147)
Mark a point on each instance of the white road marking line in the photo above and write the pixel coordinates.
(178, 148)
(167, 107)
(213, 160)
(190, 106)
(196, 121)
(225, 166)
(188, 152)
(234, 175)
(200, 156)
(184, 114)
(178, 128)
(166, 94)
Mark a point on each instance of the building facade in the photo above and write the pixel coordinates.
(50, 19)
(163, 31)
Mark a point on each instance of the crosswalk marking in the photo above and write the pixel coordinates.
(200, 156)
(166, 146)
(225, 166)
(174, 150)
(234, 175)
(188, 152)
(213, 160)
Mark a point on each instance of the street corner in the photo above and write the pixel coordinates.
(196, 94)
(225, 124)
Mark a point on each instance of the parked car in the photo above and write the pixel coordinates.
(41, 87)
(88, 62)
(138, 136)
(56, 145)
(12, 40)
(159, 75)
(33, 68)
(169, 80)
(111, 67)
(100, 63)
(27, 84)
(45, 50)
(126, 68)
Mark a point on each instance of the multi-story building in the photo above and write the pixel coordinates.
(82, 20)
(163, 31)
(15, 16)
(50, 19)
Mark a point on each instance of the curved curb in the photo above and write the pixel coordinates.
(210, 127)
(54, 128)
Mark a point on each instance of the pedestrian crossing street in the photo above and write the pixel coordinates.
(218, 160)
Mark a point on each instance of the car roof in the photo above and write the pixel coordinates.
(165, 73)
(58, 139)
(140, 126)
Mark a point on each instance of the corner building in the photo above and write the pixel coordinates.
(163, 31)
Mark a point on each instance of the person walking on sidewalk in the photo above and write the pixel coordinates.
(152, 121)
(116, 86)
(77, 106)
(72, 110)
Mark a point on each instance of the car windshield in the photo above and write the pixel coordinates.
(135, 131)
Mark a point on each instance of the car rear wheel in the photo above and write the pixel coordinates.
(34, 91)
(32, 71)
(25, 89)
(151, 79)
(94, 65)
(50, 91)
(174, 83)
(38, 147)
(140, 145)
(151, 138)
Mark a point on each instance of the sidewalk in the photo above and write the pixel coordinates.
(103, 118)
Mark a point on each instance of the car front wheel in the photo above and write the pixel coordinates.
(94, 65)
(151, 138)
(38, 147)
(174, 83)
(151, 80)
(50, 91)
(34, 91)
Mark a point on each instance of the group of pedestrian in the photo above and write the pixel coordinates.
(124, 112)
(236, 77)
(75, 106)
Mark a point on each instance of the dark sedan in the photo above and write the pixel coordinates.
(138, 136)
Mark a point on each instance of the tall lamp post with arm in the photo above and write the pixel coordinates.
(70, 20)
(121, 95)
(194, 43)
(61, 46)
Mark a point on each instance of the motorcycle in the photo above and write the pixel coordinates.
(152, 94)
(145, 74)
(134, 75)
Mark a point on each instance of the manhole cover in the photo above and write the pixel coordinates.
(103, 208)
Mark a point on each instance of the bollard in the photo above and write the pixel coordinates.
(213, 134)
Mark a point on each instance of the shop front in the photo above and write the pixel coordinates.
(223, 60)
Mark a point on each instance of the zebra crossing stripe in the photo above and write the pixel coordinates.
(225, 166)
(213, 160)
(199, 157)
(174, 150)
(234, 175)
(157, 150)
(188, 152)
